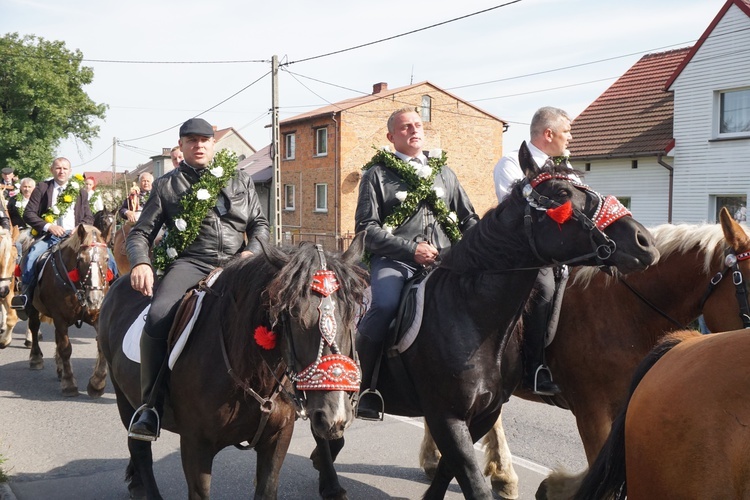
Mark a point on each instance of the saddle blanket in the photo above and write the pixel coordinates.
(131, 344)
(411, 333)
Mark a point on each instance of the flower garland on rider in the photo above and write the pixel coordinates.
(92, 201)
(64, 201)
(420, 182)
(195, 205)
(20, 208)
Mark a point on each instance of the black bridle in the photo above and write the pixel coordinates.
(608, 210)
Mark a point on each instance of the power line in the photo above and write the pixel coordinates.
(403, 34)
(94, 158)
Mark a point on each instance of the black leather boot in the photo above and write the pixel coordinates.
(153, 358)
(537, 376)
(370, 405)
(20, 301)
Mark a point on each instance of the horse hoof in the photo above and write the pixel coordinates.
(70, 392)
(27, 343)
(315, 457)
(541, 492)
(94, 392)
(36, 365)
(506, 491)
(430, 469)
(3, 346)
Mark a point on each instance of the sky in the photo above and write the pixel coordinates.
(158, 63)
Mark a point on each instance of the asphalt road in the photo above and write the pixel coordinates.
(75, 448)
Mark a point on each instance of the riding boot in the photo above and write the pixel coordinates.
(370, 352)
(20, 301)
(537, 375)
(153, 358)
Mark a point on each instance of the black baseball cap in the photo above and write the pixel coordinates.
(196, 126)
(7, 170)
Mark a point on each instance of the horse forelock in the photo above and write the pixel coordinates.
(672, 238)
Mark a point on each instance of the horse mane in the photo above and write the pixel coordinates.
(261, 292)
(672, 238)
(488, 245)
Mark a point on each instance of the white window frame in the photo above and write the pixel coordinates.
(426, 109)
(321, 133)
(287, 193)
(289, 146)
(718, 95)
(321, 202)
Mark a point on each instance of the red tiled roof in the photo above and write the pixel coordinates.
(357, 101)
(744, 5)
(259, 165)
(104, 177)
(634, 116)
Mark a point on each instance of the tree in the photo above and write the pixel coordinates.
(42, 102)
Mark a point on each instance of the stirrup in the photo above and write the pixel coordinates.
(144, 437)
(372, 393)
(535, 388)
(19, 302)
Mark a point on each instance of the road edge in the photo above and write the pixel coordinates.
(6, 493)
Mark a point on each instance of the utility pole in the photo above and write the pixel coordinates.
(114, 161)
(275, 152)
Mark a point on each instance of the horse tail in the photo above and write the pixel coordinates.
(606, 477)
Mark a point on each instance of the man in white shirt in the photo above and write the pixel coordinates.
(550, 135)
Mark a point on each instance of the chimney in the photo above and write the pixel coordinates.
(166, 151)
(379, 87)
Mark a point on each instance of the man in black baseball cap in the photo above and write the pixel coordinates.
(7, 185)
(196, 126)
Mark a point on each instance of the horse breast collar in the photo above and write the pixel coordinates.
(330, 372)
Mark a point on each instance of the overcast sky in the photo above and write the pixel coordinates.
(501, 60)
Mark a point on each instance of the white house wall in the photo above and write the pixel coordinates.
(704, 168)
(647, 186)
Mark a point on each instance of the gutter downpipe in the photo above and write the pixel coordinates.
(336, 181)
(671, 184)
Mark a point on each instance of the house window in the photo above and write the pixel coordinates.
(289, 147)
(321, 197)
(321, 142)
(625, 200)
(587, 166)
(736, 204)
(426, 108)
(734, 113)
(288, 196)
(633, 163)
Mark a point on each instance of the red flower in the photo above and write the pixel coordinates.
(562, 213)
(265, 338)
(73, 275)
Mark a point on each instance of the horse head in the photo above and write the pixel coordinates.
(89, 274)
(8, 254)
(312, 302)
(104, 221)
(564, 217)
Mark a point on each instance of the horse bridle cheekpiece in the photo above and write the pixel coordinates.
(732, 262)
(81, 286)
(608, 210)
(330, 372)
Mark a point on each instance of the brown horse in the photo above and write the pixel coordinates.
(71, 288)
(274, 338)
(8, 255)
(605, 329)
(119, 249)
(105, 221)
(684, 432)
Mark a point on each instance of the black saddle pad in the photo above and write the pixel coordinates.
(407, 309)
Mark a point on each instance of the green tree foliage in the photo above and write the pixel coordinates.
(42, 102)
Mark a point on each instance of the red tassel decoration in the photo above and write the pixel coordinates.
(73, 275)
(561, 214)
(110, 275)
(17, 271)
(265, 338)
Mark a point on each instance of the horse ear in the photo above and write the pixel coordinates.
(353, 254)
(526, 161)
(733, 232)
(81, 230)
(275, 257)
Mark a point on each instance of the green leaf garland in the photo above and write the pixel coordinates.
(420, 189)
(195, 204)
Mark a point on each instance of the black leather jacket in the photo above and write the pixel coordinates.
(377, 199)
(222, 233)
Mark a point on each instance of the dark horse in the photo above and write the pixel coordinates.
(104, 221)
(461, 364)
(71, 288)
(226, 389)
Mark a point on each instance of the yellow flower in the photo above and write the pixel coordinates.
(49, 218)
(34, 232)
(67, 198)
(78, 177)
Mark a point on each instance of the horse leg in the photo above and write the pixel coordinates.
(68, 382)
(271, 454)
(429, 455)
(36, 358)
(323, 456)
(98, 379)
(560, 485)
(29, 342)
(499, 462)
(455, 442)
(197, 463)
(6, 334)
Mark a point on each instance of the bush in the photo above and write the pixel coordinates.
(3, 476)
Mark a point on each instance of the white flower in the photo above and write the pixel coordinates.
(439, 191)
(385, 148)
(566, 153)
(217, 171)
(171, 253)
(55, 210)
(75, 184)
(388, 228)
(424, 171)
(401, 195)
(453, 217)
(435, 153)
(203, 194)
(180, 224)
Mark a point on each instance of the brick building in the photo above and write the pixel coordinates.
(323, 151)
